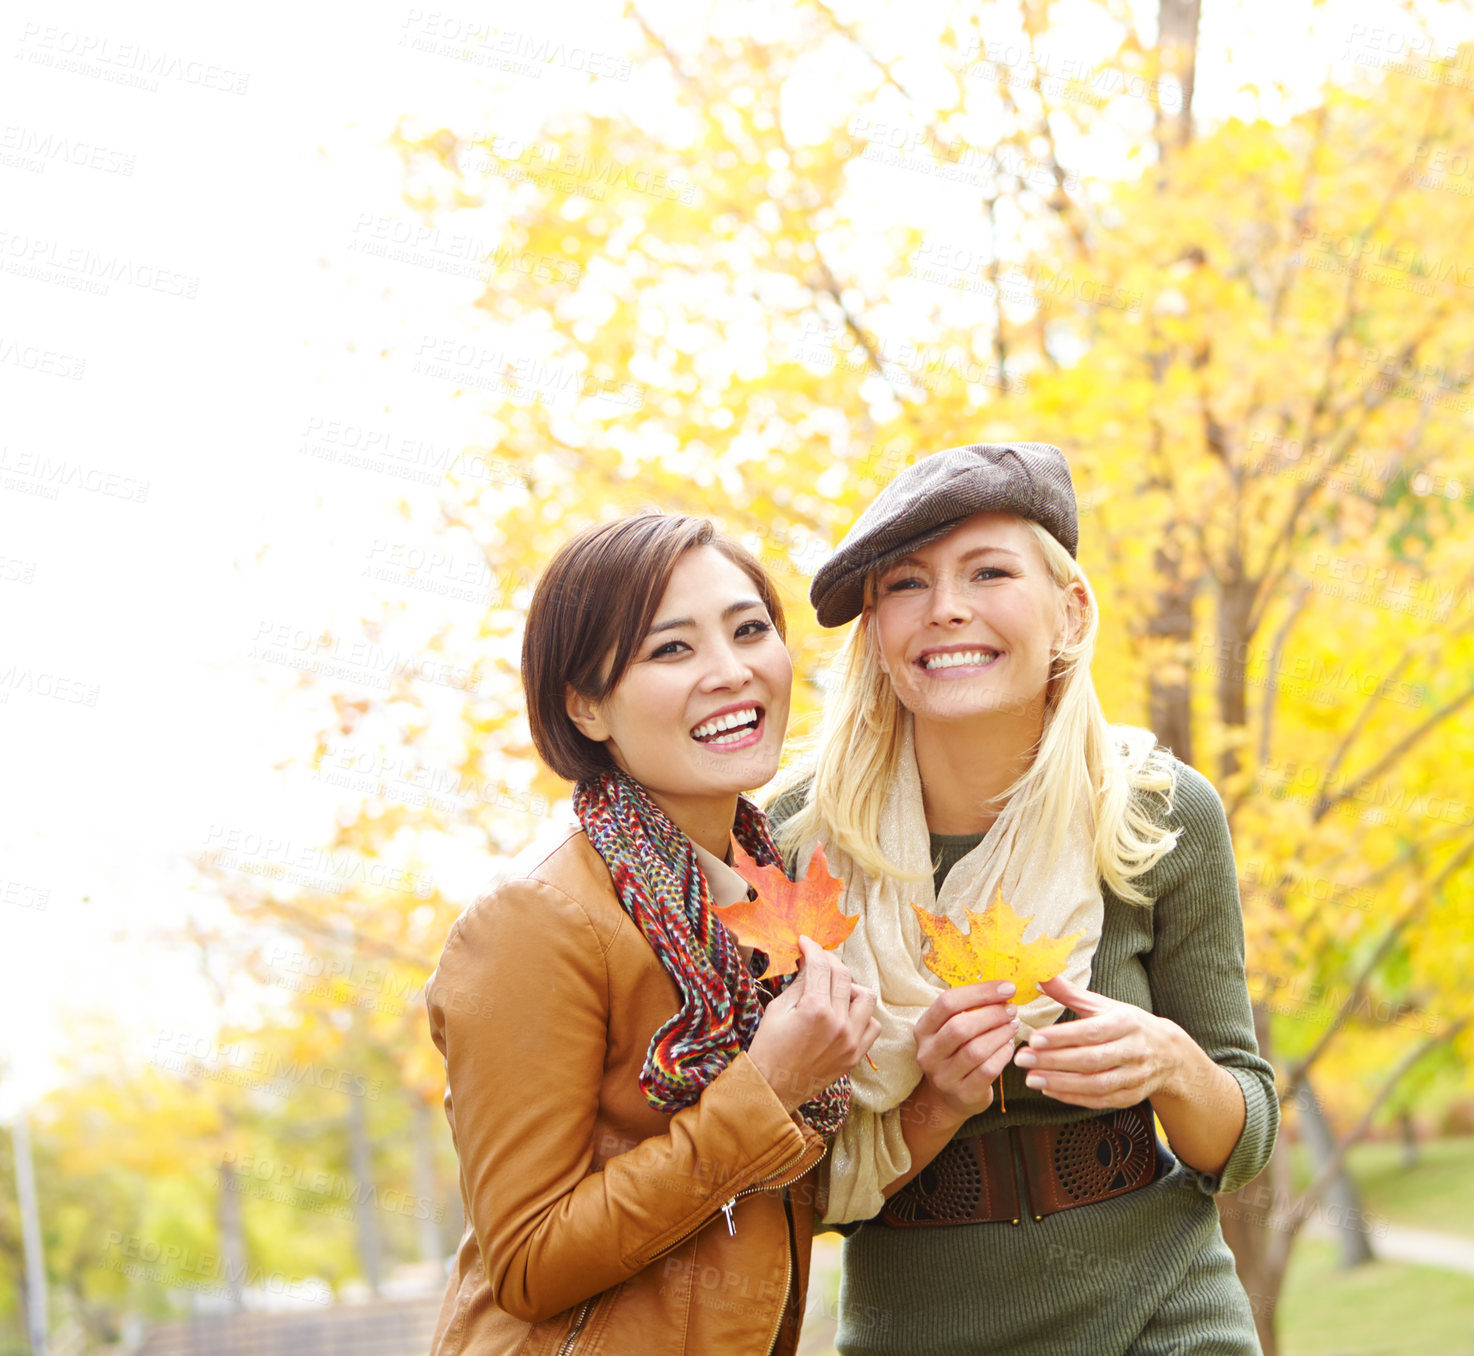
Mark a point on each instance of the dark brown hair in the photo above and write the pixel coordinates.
(590, 611)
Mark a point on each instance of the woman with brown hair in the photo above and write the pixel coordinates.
(631, 1115)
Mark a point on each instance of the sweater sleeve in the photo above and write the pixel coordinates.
(1196, 966)
(519, 1007)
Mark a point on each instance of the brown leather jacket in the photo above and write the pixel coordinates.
(596, 1224)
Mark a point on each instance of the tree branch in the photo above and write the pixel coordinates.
(1271, 687)
(1299, 217)
(1328, 774)
(248, 901)
(1302, 1066)
(830, 288)
(1409, 741)
(1297, 1213)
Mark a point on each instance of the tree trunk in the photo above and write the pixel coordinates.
(422, 1166)
(1410, 1153)
(1342, 1200)
(1170, 694)
(1177, 29)
(1170, 690)
(232, 1236)
(1235, 606)
(1247, 1215)
(34, 1292)
(1244, 1215)
(365, 1206)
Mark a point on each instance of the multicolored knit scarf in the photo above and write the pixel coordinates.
(662, 888)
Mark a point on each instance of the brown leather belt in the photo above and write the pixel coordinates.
(972, 1180)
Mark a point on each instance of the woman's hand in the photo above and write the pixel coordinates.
(963, 1042)
(816, 1030)
(1116, 1055)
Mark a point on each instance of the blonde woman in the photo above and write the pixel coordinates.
(963, 754)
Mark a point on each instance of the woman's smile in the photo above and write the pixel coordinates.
(945, 662)
(738, 726)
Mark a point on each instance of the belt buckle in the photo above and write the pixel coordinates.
(971, 1181)
(1090, 1160)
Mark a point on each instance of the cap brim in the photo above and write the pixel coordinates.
(844, 600)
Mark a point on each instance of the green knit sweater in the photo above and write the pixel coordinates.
(1147, 1273)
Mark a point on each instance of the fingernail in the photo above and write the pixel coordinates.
(1038, 1039)
(1034, 1080)
(1014, 1025)
(1010, 1010)
(1008, 990)
(1025, 1059)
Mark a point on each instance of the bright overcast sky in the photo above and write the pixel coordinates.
(157, 511)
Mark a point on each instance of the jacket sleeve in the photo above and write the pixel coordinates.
(519, 1007)
(1196, 967)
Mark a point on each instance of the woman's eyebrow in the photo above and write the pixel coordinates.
(966, 555)
(741, 605)
(986, 550)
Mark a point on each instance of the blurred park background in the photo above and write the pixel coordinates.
(322, 330)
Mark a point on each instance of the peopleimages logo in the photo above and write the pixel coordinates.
(329, 869)
(58, 473)
(184, 1050)
(1407, 257)
(183, 1268)
(548, 165)
(44, 683)
(312, 650)
(20, 144)
(75, 265)
(382, 236)
(510, 50)
(291, 1182)
(123, 63)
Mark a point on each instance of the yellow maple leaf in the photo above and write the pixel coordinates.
(993, 948)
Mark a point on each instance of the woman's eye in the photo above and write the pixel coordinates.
(991, 572)
(754, 628)
(670, 647)
(896, 585)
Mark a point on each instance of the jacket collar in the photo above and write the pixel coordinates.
(726, 886)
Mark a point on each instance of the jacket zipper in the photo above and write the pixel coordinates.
(787, 1281)
(727, 1208)
(760, 1186)
(584, 1310)
(732, 1229)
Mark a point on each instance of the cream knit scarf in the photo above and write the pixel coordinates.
(884, 952)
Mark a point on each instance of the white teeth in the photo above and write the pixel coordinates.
(717, 724)
(954, 658)
(732, 738)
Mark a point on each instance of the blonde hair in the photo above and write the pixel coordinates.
(1082, 760)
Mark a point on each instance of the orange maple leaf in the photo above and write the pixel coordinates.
(993, 947)
(785, 909)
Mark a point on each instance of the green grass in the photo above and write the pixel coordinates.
(1437, 1193)
(1381, 1309)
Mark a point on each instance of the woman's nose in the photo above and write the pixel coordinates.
(948, 603)
(729, 669)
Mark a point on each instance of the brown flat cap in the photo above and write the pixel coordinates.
(928, 499)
